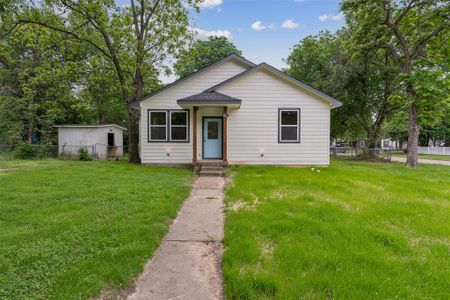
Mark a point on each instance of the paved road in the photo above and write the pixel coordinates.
(423, 161)
(188, 263)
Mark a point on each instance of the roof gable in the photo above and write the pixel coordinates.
(263, 66)
(233, 57)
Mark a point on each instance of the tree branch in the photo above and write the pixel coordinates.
(72, 34)
(424, 42)
(149, 16)
(395, 29)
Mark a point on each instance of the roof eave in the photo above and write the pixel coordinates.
(210, 103)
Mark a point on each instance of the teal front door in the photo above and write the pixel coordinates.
(212, 137)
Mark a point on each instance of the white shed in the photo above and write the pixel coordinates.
(101, 141)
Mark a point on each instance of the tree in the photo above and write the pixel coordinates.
(135, 40)
(363, 81)
(405, 28)
(396, 128)
(37, 82)
(202, 54)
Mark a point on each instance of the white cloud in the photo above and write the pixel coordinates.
(290, 24)
(258, 26)
(211, 3)
(337, 17)
(202, 34)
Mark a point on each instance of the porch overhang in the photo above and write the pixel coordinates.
(209, 99)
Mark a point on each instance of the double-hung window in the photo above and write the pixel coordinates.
(168, 126)
(179, 126)
(289, 125)
(157, 125)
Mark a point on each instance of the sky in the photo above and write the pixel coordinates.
(265, 30)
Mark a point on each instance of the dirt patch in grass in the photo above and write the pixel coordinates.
(356, 230)
(243, 205)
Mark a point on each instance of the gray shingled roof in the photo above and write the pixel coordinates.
(211, 97)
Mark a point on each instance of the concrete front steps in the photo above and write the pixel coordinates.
(212, 169)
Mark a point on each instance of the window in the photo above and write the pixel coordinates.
(213, 130)
(168, 126)
(289, 125)
(179, 126)
(157, 126)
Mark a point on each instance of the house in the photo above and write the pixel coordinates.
(101, 141)
(236, 112)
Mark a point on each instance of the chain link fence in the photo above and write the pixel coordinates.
(43, 151)
(371, 154)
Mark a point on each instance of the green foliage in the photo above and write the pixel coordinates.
(73, 229)
(362, 81)
(47, 150)
(38, 72)
(416, 35)
(83, 155)
(352, 231)
(26, 151)
(86, 64)
(202, 54)
(397, 127)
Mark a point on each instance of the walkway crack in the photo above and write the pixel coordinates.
(188, 263)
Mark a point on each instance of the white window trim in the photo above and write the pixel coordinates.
(161, 126)
(179, 126)
(280, 125)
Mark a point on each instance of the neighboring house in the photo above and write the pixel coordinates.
(101, 141)
(239, 113)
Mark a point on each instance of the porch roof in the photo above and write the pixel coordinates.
(211, 98)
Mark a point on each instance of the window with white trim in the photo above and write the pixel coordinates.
(289, 125)
(179, 126)
(168, 125)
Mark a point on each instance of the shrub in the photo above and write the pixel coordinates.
(47, 150)
(26, 151)
(84, 155)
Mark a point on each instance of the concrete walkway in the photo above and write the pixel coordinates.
(422, 161)
(188, 263)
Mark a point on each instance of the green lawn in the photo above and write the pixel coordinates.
(424, 156)
(352, 231)
(71, 229)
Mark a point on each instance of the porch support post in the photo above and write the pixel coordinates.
(194, 135)
(225, 134)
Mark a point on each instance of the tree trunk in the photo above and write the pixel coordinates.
(133, 134)
(413, 137)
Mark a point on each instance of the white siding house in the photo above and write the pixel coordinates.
(239, 113)
(101, 141)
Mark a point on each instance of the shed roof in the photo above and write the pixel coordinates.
(89, 126)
